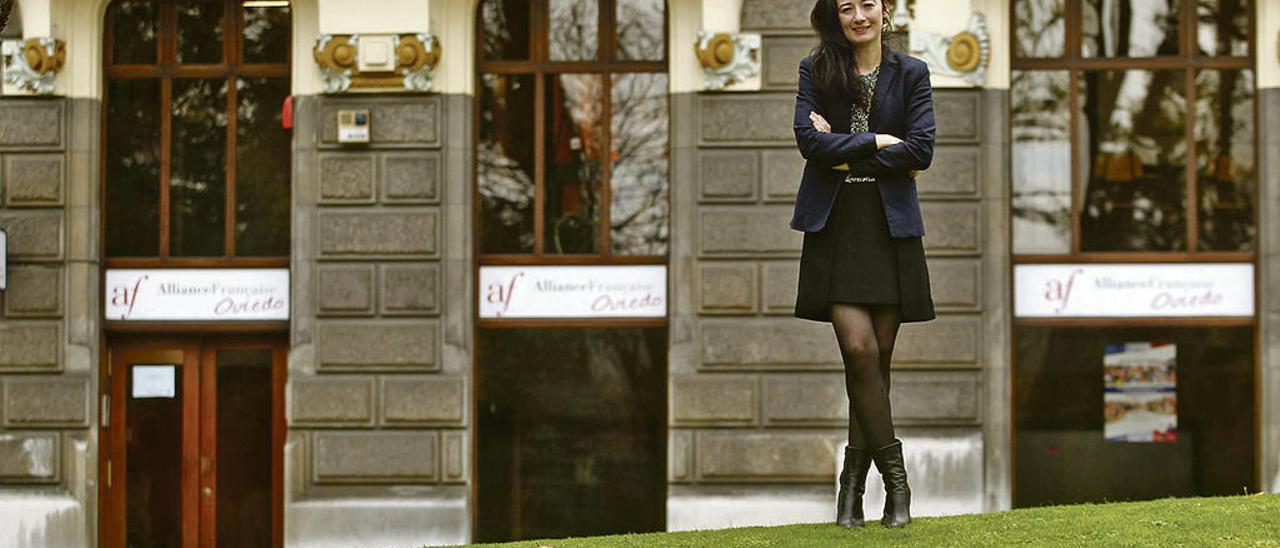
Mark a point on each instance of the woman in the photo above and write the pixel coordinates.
(864, 124)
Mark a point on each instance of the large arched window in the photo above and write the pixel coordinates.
(572, 147)
(196, 162)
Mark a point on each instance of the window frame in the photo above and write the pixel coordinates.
(166, 68)
(1190, 62)
(606, 64)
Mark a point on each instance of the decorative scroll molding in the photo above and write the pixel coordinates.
(964, 55)
(33, 65)
(337, 55)
(727, 59)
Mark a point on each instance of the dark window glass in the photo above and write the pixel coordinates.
(572, 428)
(1039, 26)
(197, 176)
(1134, 125)
(200, 32)
(574, 160)
(504, 163)
(505, 29)
(639, 184)
(153, 469)
(1223, 27)
(1225, 172)
(1062, 456)
(574, 30)
(132, 212)
(641, 28)
(244, 448)
(266, 34)
(263, 163)
(133, 31)
(1041, 122)
(1130, 28)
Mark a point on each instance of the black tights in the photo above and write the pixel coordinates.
(866, 335)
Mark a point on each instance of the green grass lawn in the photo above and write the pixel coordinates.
(1251, 520)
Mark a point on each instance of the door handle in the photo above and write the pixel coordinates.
(206, 491)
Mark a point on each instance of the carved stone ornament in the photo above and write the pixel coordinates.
(33, 65)
(727, 59)
(964, 55)
(337, 55)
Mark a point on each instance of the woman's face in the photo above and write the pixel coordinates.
(861, 20)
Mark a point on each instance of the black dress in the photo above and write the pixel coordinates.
(854, 259)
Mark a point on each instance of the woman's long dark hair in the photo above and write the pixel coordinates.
(833, 58)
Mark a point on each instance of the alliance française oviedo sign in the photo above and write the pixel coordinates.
(1133, 290)
(197, 294)
(573, 291)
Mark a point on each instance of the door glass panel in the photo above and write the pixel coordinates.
(1063, 411)
(574, 29)
(199, 32)
(263, 163)
(132, 223)
(1130, 28)
(505, 29)
(639, 183)
(197, 178)
(153, 445)
(266, 34)
(504, 163)
(244, 456)
(641, 28)
(572, 429)
(133, 31)
(574, 156)
(1225, 159)
(1041, 120)
(1134, 133)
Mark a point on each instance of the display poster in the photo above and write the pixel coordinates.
(1140, 392)
(154, 381)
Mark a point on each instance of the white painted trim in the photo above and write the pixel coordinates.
(1268, 33)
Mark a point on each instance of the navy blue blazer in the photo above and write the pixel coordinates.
(902, 107)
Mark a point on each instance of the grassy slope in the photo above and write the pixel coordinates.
(1252, 520)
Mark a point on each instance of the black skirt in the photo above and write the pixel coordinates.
(855, 260)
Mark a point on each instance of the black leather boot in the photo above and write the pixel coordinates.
(853, 483)
(897, 495)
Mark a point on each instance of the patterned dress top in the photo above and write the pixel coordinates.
(862, 113)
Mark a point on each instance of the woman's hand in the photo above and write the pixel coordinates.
(885, 140)
(819, 123)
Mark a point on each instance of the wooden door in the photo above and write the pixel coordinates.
(194, 444)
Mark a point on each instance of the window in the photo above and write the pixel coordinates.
(196, 164)
(1133, 128)
(573, 146)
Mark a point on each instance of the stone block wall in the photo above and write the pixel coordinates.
(48, 319)
(757, 396)
(380, 359)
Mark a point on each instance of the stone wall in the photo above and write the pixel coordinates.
(1269, 279)
(757, 396)
(48, 321)
(380, 359)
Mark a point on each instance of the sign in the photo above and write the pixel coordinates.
(154, 381)
(203, 294)
(1133, 290)
(573, 291)
(4, 259)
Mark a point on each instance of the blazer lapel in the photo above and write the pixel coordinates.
(888, 72)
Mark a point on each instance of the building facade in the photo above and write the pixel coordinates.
(325, 272)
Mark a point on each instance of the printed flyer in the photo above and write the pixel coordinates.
(1141, 392)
